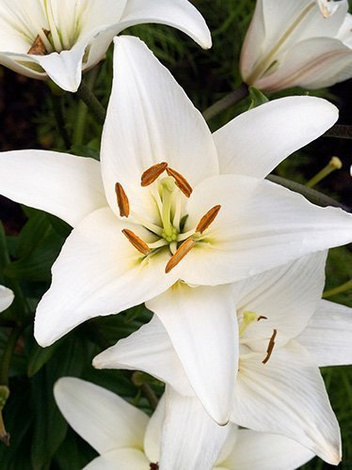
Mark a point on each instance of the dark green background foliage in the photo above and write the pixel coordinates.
(34, 117)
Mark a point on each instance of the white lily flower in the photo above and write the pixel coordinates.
(127, 439)
(60, 38)
(304, 43)
(285, 333)
(156, 210)
(6, 298)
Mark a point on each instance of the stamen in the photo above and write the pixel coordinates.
(181, 252)
(261, 317)
(180, 181)
(122, 200)
(207, 219)
(149, 176)
(137, 242)
(38, 47)
(270, 347)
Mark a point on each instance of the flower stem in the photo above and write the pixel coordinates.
(338, 290)
(7, 355)
(311, 194)
(229, 100)
(334, 164)
(92, 102)
(341, 131)
(60, 121)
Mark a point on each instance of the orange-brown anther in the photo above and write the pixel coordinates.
(180, 181)
(122, 200)
(180, 253)
(149, 176)
(137, 242)
(207, 219)
(38, 47)
(270, 347)
(261, 317)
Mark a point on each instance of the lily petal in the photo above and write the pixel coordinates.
(6, 298)
(261, 225)
(191, 439)
(138, 124)
(287, 396)
(98, 269)
(202, 325)
(264, 451)
(290, 122)
(328, 335)
(103, 419)
(148, 349)
(121, 459)
(67, 186)
(180, 14)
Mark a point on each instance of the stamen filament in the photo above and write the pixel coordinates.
(122, 200)
(137, 242)
(270, 347)
(208, 219)
(151, 174)
(181, 252)
(180, 181)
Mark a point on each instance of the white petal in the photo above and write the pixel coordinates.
(202, 326)
(287, 296)
(103, 419)
(67, 186)
(328, 335)
(150, 120)
(264, 451)
(149, 349)
(255, 142)
(261, 225)
(153, 433)
(98, 272)
(6, 298)
(287, 396)
(190, 438)
(180, 14)
(121, 459)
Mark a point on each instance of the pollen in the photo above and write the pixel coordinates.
(270, 347)
(149, 176)
(122, 200)
(38, 47)
(180, 253)
(208, 219)
(180, 181)
(137, 242)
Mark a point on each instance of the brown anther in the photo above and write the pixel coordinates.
(270, 347)
(137, 242)
(180, 181)
(180, 253)
(149, 176)
(207, 219)
(122, 200)
(261, 317)
(38, 47)
(153, 466)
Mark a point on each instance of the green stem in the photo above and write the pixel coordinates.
(338, 290)
(229, 100)
(80, 123)
(341, 131)
(60, 121)
(311, 194)
(7, 355)
(88, 97)
(150, 395)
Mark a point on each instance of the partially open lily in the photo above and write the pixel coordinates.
(285, 333)
(306, 43)
(127, 439)
(59, 39)
(6, 298)
(171, 202)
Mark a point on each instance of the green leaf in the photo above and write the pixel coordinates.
(32, 233)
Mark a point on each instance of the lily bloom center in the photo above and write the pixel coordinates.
(169, 191)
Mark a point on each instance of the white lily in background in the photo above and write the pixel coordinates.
(60, 38)
(285, 333)
(171, 202)
(6, 298)
(127, 439)
(306, 43)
